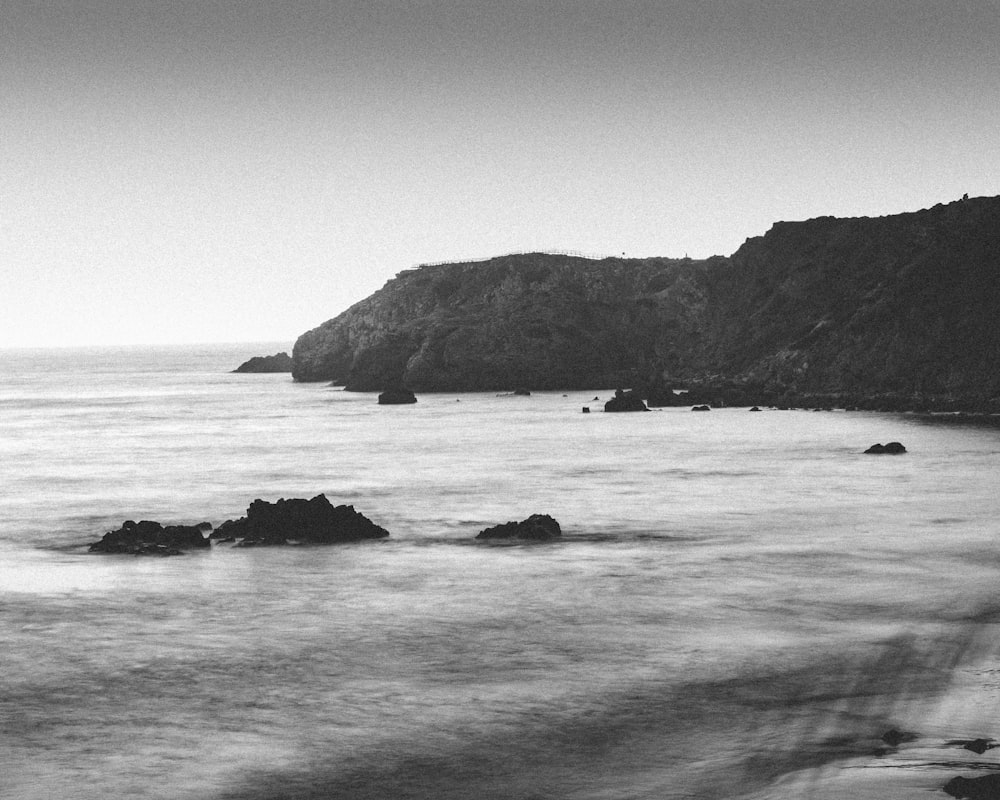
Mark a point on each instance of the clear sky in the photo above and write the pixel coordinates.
(236, 171)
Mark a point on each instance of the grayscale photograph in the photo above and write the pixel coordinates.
(499, 399)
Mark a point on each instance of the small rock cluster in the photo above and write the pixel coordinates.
(294, 521)
(893, 448)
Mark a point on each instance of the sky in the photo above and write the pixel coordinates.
(243, 171)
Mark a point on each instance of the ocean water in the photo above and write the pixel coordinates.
(740, 606)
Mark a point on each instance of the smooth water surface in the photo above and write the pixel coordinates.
(737, 596)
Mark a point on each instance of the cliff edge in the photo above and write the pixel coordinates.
(903, 303)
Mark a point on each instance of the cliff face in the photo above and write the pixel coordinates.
(903, 303)
(907, 303)
(536, 320)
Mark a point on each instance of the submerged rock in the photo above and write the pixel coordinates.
(315, 521)
(892, 448)
(279, 362)
(984, 788)
(895, 737)
(537, 527)
(625, 401)
(396, 397)
(148, 538)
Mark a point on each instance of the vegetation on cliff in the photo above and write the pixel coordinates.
(900, 304)
(536, 320)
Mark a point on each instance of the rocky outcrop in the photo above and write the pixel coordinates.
(899, 307)
(315, 521)
(625, 401)
(985, 788)
(892, 449)
(537, 527)
(396, 397)
(535, 320)
(279, 362)
(151, 538)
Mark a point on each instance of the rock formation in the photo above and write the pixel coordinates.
(151, 538)
(892, 449)
(396, 397)
(537, 527)
(539, 321)
(625, 401)
(279, 362)
(851, 310)
(314, 521)
(985, 788)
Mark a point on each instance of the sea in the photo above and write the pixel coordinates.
(741, 604)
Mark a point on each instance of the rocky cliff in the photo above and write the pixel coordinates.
(535, 320)
(904, 303)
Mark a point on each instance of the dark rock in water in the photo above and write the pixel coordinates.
(985, 788)
(279, 362)
(755, 408)
(978, 746)
(314, 521)
(701, 408)
(148, 538)
(222, 532)
(396, 397)
(537, 527)
(524, 393)
(896, 737)
(625, 401)
(586, 410)
(892, 448)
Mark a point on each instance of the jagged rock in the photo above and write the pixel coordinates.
(151, 538)
(625, 401)
(279, 362)
(314, 521)
(892, 448)
(537, 527)
(396, 397)
(984, 788)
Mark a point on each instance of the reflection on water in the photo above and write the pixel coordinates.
(742, 603)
